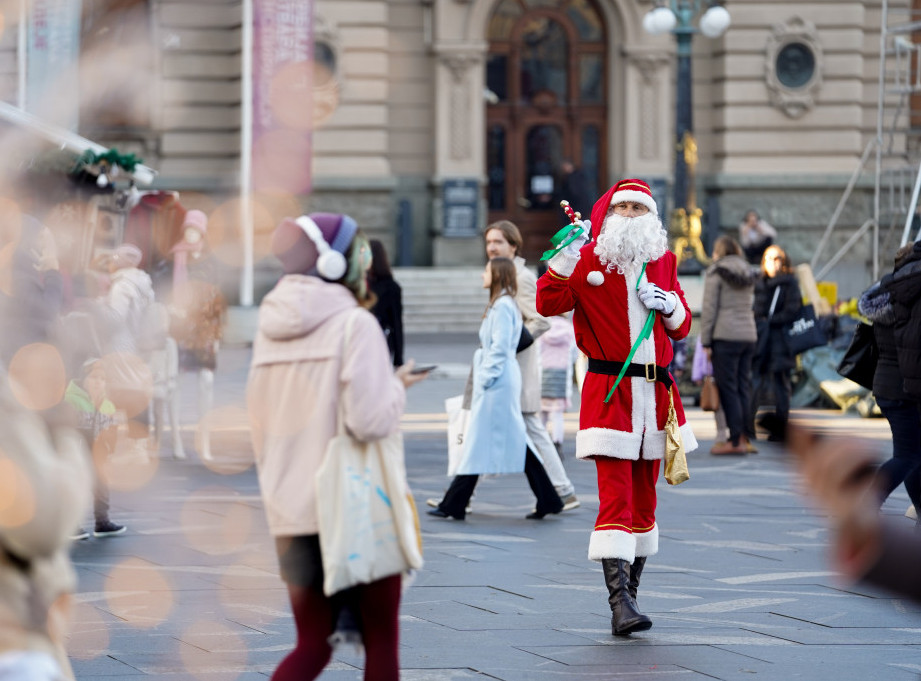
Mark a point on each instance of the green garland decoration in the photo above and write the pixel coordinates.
(111, 157)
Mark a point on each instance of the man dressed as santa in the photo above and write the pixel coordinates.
(615, 284)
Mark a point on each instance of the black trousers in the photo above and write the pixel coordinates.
(732, 370)
(779, 383)
(548, 501)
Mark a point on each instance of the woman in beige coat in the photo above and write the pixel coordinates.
(45, 484)
(303, 375)
(728, 335)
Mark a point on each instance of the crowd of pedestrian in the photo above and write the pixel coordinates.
(328, 370)
(75, 388)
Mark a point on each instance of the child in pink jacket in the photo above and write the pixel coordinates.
(557, 354)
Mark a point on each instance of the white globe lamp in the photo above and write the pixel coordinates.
(659, 20)
(715, 21)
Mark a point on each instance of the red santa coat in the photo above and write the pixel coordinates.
(608, 319)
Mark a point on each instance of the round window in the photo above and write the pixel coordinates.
(324, 59)
(795, 65)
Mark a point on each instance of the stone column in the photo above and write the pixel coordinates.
(459, 143)
(648, 114)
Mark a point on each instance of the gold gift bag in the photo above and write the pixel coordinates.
(676, 463)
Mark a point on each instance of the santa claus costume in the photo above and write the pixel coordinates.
(613, 284)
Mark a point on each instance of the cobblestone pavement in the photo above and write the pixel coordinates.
(740, 588)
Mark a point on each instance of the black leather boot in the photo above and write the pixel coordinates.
(626, 617)
(635, 571)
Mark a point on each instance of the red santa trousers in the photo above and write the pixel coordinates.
(626, 524)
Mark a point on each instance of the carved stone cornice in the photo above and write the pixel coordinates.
(459, 62)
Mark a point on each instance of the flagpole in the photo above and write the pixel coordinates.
(246, 156)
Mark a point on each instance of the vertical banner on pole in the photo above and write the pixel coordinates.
(52, 54)
(282, 102)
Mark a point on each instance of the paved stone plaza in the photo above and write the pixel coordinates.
(740, 588)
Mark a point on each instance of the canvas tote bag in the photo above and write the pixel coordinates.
(368, 524)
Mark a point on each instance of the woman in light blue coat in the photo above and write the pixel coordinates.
(496, 441)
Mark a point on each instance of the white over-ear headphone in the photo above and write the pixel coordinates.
(330, 264)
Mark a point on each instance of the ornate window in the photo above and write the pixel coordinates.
(793, 66)
(546, 92)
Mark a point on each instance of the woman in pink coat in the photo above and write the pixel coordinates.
(303, 375)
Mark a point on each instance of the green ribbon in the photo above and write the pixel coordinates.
(644, 334)
(560, 241)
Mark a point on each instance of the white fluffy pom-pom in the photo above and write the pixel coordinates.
(595, 278)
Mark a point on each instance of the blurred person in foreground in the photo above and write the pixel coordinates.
(97, 422)
(31, 288)
(728, 335)
(301, 378)
(44, 488)
(389, 306)
(121, 318)
(197, 313)
(777, 303)
(839, 475)
(620, 284)
(901, 409)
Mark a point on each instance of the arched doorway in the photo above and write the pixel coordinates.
(546, 79)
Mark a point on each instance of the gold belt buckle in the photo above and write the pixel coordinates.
(650, 372)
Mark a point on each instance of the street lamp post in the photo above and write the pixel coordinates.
(676, 16)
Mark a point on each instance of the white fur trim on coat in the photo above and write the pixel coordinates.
(647, 543)
(637, 197)
(564, 263)
(595, 278)
(678, 316)
(612, 544)
(608, 442)
(620, 445)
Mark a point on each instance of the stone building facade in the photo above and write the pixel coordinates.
(434, 117)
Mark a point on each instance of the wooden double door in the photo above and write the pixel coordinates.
(546, 78)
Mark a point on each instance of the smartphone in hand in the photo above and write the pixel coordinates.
(423, 368)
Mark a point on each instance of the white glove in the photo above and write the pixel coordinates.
(655, 298)
(580, 240)
(564, 262)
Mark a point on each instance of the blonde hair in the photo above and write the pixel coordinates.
(785, 266)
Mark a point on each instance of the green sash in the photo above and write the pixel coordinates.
(644, 334)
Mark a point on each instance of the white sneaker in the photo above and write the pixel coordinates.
(570, 502)
(912, 512)
(433, 502)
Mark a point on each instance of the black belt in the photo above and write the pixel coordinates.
(651, 371)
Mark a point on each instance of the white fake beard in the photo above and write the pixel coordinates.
(626, 243)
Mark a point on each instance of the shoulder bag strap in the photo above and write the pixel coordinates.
(346, 338)
(774, 302)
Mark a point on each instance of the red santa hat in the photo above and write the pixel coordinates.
(625, 190)
(634, 190)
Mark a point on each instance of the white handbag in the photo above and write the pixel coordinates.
(458, 422)
(368, 525)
